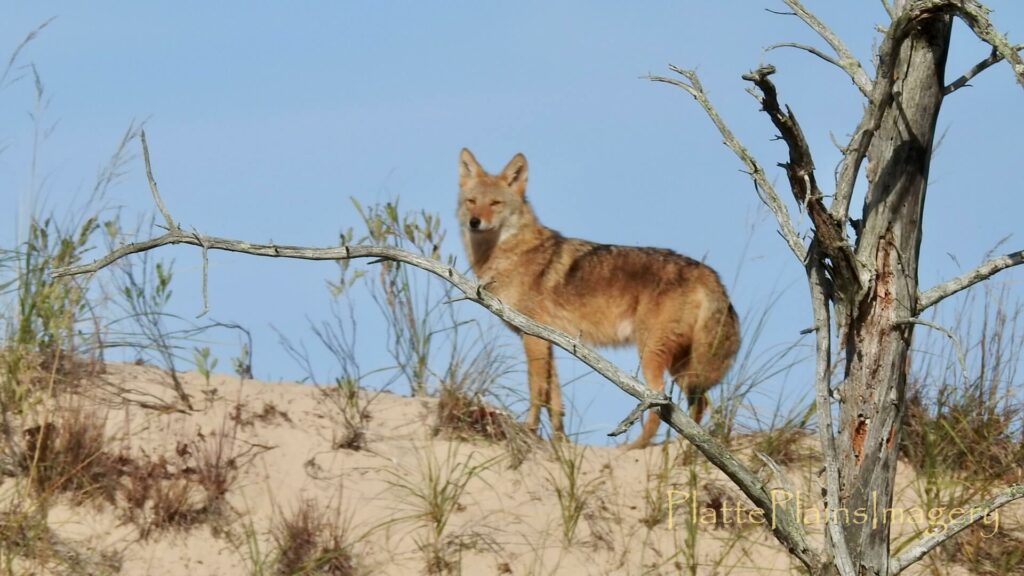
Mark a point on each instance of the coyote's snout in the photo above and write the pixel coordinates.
(674, 308)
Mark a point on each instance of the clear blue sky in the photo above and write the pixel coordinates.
(265, 117)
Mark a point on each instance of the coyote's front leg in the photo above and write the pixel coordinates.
(544, 389)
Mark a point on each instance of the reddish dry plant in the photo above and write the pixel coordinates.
(309, 541)
(158, 497)
(69, 455)
(464, 416)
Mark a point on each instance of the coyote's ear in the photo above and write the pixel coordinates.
(514, 174)
(468, 166)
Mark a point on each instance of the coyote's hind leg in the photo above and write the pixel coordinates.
(654, 363)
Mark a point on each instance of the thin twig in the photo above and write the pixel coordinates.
(806, 48)
(847, 61)
(940, 292)
(929, 542)
(654, 401)
(993, 58)
(206, 276)
(960, 356)
(889, 9)
(152, 183)
(455, 299)
(764, 187)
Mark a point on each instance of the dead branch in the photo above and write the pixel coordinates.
(847, 61)
(764, 187)
(960, 356)
(152, 183)
(940, 292)
(929, 542)
(889, 9)
(636, 413)
(975, 15)
(823, 403)
(829, 233)
(878, 102)
(994, 58)
(881, 94)
(806, 48)
(786, 528)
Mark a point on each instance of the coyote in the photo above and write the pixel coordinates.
(674, 308)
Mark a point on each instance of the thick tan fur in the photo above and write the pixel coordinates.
(674, 308)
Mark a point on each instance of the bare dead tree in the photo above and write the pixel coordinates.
(864, 290)
(864, 293)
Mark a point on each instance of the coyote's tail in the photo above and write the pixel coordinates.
(716, 340)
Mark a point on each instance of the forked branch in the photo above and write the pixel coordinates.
(829, 233)
(975, 15)
(846, 61)
(879, 101)
(906, 18)
(785, 526)
(691, 84)
(994, 58)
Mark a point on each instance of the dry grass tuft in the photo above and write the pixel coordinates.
(24, 532)
(310, 541)
(191, 491)
(967, 421)
(465, 416)
(963, 433)
(69, 455)
(269, 414)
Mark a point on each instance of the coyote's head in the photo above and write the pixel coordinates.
(490, 203)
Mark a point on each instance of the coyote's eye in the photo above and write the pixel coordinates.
(471, 201)
(495, 203)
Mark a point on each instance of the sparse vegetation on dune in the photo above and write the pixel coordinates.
(424, 466)
(474, 489)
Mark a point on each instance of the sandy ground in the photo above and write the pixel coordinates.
(509, 519)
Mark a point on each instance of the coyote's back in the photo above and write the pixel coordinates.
(674, 308)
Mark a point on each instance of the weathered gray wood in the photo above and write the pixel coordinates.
(877, 339)
(871, 285)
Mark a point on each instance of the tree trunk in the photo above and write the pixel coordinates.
(875, 331)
